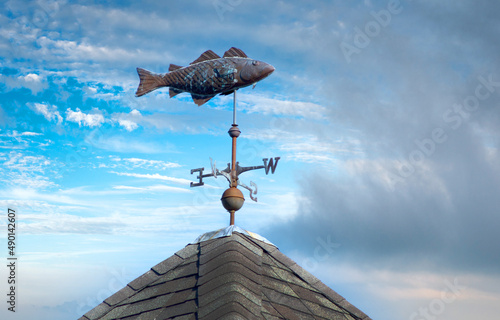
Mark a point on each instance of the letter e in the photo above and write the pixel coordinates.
(383, 17)
(438, 135)
(393, 5)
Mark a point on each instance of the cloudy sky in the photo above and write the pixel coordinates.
(385, 115)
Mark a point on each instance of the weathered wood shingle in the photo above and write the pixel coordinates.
(233, 277)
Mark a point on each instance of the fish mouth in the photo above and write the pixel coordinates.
(253, 75)
(266, 71)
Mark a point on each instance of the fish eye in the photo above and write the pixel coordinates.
(255, 63)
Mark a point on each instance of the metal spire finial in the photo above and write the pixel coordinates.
(232, 199)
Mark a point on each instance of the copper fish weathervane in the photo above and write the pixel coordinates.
(204, 78)
(207, 76)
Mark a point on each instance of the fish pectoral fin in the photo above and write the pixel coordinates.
(207, 55)
(174, 67)
(173, 92)
(235, 52)
(199, 100)
(227, 92)
(253, 87)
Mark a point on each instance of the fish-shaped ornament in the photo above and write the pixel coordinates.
(207, 76)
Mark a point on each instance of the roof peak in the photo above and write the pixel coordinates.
(227, 232)
(233, 277)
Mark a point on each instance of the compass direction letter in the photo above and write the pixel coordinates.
(271, 165)
(200, 177)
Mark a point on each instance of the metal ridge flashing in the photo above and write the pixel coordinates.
(227, 232)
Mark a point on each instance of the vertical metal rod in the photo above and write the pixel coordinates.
(233, 157)
(234, 107)
(233, 165)
(231, 217)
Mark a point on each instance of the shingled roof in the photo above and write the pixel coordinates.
(235, 276)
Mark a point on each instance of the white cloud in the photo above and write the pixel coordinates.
(50, 112)
(119, 143)
(133, 163)
(90, 194)
(67, 223)
(283, 206)
(155, 176)
(22, 140)
(121, 220)
(31, 81)
(15, 134)
(28, 171)
(146, 163)
(158, 188)
(28, 193)
(31, 77)
(128, 125)
(128, 120)
(265, 105)
(307, 148)
(27, 133)
(36, 206)
(83, 51)
(90, 120)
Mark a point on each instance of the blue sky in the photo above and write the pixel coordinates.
(385, 115)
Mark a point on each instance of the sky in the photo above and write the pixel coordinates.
(385, 116)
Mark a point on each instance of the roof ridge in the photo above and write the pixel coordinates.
(235, 275)
(228, 231)
(233, 296)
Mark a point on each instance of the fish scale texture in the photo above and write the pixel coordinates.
(207, 76)
(234, 277)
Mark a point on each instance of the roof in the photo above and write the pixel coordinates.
(236, 276)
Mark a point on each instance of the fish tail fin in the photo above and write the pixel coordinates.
(149, 81)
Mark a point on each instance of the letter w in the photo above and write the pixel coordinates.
(272, 165)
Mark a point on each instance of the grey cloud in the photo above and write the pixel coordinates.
(393, 95)
(417, 225)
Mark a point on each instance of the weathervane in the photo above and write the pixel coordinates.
(204, 78)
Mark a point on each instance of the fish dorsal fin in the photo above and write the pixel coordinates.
(235, 52)
(173, 67)
(207, 55)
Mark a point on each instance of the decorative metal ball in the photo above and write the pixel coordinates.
(234, 132)
(232, 199)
